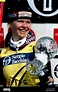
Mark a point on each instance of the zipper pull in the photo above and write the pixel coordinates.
(17, 49)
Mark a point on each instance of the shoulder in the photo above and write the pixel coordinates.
(3, 50)
(32, 43)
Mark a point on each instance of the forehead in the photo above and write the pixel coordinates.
(23, 20)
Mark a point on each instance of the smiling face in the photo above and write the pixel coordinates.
(20, 28)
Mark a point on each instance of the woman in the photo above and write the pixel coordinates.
(18, 50)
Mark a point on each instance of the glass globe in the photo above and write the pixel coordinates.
(46, 45)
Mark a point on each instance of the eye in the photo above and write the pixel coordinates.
(28, 22)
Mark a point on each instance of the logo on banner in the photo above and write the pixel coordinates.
(56, 71)
(46, 5)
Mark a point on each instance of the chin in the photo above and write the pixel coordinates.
(22, 36)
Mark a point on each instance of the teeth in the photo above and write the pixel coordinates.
(22, 30)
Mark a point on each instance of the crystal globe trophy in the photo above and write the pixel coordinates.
(45, 49)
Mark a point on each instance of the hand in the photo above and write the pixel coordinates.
(42, 57)
(36, 66)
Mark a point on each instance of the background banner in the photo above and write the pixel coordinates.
(1, 29)
(44, 11)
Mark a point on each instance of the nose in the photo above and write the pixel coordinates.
(24, 24)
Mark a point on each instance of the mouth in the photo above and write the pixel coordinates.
(23, 29)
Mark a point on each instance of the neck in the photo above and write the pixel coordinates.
(16, 39)
(17, 43)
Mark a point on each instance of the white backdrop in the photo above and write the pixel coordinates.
(44, 29)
